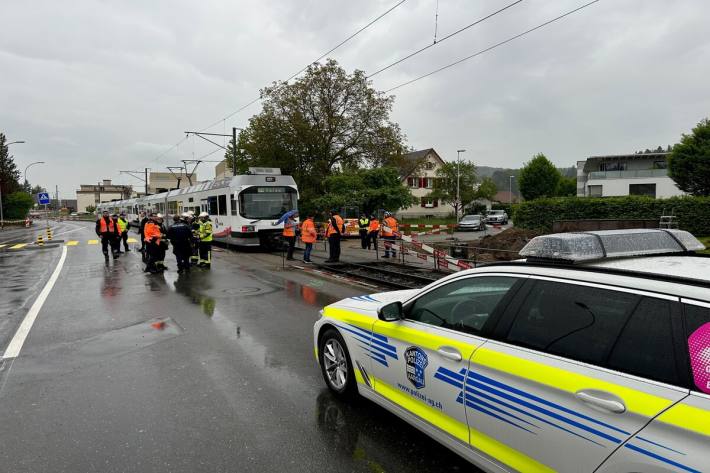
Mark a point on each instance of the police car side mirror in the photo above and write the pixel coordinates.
(391, 312)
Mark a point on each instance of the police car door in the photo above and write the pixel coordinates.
(434, 343)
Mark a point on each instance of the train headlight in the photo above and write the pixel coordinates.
(247, 228)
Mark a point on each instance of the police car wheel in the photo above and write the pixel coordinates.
(335, 364)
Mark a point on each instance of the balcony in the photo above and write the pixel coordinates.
(639, 173)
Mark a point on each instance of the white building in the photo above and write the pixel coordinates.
(626, 174)
(420, 180)
(90, 195)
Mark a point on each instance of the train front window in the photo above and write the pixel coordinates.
(267, 202)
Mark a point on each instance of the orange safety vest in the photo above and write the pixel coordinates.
(308, 231)
(374, 225)
(151, 232)
(289, 228)
(338, 222)
(390, 222)
(110, 228)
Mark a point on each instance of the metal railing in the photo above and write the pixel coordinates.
(638, 173)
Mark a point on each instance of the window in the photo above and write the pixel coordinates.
(643, 189)
(574, 321)
(429, 202)
(266, 202)
(429, 165)
(233, 204)
(612, 166)
(645, 347)
(429, 182)
(697, 325)
(660, 164)
(413, 182)
(222, 207)
(463, 305)
(594, 191)
(212, 205)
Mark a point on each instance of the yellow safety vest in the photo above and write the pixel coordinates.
(206, 231)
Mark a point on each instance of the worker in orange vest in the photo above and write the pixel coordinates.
(152, 234)
(372, 230)
(289, 234)
(309, 235)
(389, 234)
(107, 230)
(336, 228)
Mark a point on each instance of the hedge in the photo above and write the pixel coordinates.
(692, 213)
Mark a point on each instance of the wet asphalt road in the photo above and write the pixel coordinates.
(228, 384)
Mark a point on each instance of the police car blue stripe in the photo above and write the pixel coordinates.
(369, 333)
(392, 348)
(440, 376)
(659, 445)
(660, 458)
(542, 410)
(384, 350)
(451, 374)
(495, 416)
(543, 401)
(487, 405)
(382, 362)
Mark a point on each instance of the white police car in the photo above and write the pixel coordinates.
(593, 354)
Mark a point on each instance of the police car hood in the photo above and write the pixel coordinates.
(372, 302)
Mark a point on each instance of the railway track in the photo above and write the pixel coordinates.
(386, 274)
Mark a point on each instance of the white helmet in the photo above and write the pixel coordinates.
(204, 214)
(191, 213)
(185, 215)
(159, 215)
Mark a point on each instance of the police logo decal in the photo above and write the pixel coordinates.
(417, 361)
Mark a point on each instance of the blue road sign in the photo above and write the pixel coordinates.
(43, 198)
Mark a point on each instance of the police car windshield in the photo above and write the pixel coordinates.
(261, 202)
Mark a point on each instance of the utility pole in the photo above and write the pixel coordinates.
(234, 151)
(234, 141)
(56, 197)
(146, 181)
(510, 190)
(137, 175)
(458, 181)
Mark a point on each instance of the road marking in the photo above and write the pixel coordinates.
(72, 243)
(3, 246)
(13, 349)
(93, 242)
(18, 246)
(132, 240)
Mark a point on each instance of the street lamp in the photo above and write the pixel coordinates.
(28, 166)
(510, 190)
(458, 181)
(2, 217)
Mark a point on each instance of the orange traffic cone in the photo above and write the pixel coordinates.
(160, 325)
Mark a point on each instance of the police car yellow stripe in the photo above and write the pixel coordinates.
(479, 440)
(636, 401)
(687, 417)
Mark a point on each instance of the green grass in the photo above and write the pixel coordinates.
(705, 241)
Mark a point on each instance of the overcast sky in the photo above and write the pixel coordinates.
(95, 87)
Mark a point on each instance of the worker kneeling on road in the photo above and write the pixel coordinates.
(107, 230)
(205, 234)
(389, 234)
(180, 236)
(153, 243)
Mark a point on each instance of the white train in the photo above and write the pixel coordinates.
(243, 209)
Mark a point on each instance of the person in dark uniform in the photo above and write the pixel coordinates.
(195, 227)
(180, 236)
(107, 230)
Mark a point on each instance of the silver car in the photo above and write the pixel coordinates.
(593, 354)
(471, 223)
(497, 217)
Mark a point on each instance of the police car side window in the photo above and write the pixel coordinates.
(574, 321)
(697, 328)
(463, 305)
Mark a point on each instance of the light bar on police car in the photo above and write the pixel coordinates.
(587, 246)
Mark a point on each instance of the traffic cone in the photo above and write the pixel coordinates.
(40, 240)
(160, 325)
(49, 234)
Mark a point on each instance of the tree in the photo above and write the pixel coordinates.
(325, 121)
(567, 187)
(487, 189)
(368, 189)
(17, 204)
(689, 161)
(91, 209)
(503, 181)
(445, 184)
(9, 174)
(538, 178)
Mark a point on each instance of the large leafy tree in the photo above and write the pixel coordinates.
(538, 178)
(368, 189)
(9, 175)
(567, 187)
(689, 161)
(445, 185)
(487, 189)
(325, 121)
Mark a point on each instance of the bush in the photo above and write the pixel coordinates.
(692, 213)
(17, 204)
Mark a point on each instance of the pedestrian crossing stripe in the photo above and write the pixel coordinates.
(18, 246)
(3, 246)
(132, 240)
(93, 242)
(72, 243)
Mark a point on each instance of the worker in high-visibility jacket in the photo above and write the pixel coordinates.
(289, 234)
(153, 242)
(205, 234)
(194, 223)
(390, 229)
(363, 225)
(123, 227)
(108, 232)
(335, 229)
(373, 230)
(309, 235)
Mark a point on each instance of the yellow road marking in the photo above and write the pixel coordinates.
(132, 240)
(18, 246)
(72, 243)
(93, 242)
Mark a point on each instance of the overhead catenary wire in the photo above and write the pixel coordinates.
(353, 35)
(450, 35)
(483, 51)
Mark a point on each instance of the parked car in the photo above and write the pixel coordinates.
(497, 216)
(589, 355)
(471, 223)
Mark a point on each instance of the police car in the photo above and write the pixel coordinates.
(592, 354)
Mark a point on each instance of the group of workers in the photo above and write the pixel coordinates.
(369, 228)
(190, 237)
